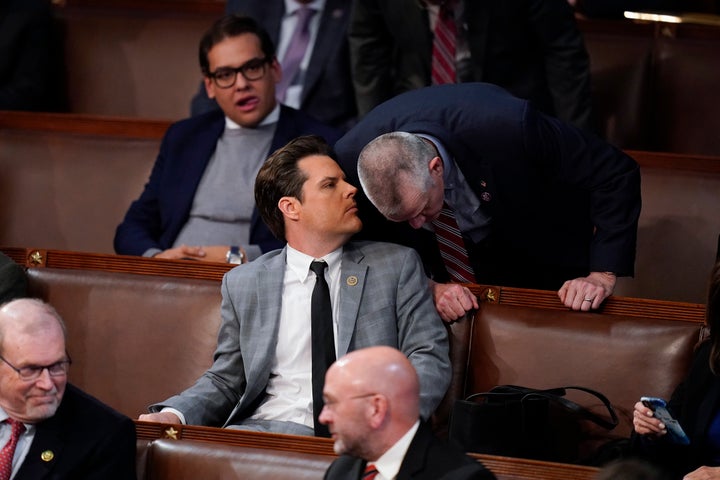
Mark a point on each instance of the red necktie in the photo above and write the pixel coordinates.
(8, 451)
(443, 55)
(370, 472)
(452, 246)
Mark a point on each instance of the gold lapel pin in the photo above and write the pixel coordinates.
(47, 455)
(352, 280)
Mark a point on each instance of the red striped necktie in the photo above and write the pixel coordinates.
(444, 44)
(370, 472)
(8, 451)
(452, 246)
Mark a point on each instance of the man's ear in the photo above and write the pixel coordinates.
(209, 87)
(276, 70)
(436, 166)
(289, 207)
(377, 410)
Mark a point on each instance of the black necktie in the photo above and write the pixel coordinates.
(323, 343)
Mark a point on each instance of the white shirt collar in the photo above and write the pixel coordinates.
(271, 117)
(388, 465)
(291, 6)
(299, 262)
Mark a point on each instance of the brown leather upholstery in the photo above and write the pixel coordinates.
(131, 61)
(687, 94)
(620, 73)
(135, 339)
(621, 356)
(179, 459)
(218, 451)
(68, 191)
(655, 85)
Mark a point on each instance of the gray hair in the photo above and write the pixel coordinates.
(392, 161)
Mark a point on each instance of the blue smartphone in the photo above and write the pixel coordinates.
(674, 430)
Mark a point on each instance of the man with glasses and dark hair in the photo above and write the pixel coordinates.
(49, 428)
(312, 47)
(198, 203)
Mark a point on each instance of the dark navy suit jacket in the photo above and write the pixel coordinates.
(562, 202)
(156, 218)
(84, 439)
(427, 458)
(328, 93)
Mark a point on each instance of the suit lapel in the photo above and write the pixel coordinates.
(48, 439)
(414, 461)
(332, 29)
(352, 284)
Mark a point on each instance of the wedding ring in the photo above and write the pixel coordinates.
(588, 299)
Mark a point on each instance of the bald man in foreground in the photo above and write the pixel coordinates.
(372, 410)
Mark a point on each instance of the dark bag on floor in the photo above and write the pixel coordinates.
(524, 422)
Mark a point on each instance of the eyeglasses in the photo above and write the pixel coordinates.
(331, 403)
(225, 77)
(33, 372)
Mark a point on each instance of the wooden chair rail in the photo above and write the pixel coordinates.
(503, 467)
(661, 309)
(34, 257)
(155, 6)
(84, 124)
(676, 161)
(129, 127)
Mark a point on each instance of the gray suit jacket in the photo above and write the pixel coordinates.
(389, 305)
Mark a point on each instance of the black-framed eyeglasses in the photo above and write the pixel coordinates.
(225, 77)
(33, 372)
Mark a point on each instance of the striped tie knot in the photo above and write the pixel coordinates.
(370, 472)
(452, 246)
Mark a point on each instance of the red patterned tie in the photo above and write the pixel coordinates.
(443, 55)
(370, 472)
(452, 246)
(8, 451)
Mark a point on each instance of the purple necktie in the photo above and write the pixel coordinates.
(296, 50)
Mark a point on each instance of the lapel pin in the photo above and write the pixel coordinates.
(483, 184)
(486, 196)
(352, 280)
(47, 455)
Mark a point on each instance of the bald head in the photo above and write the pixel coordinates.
(382, 370)
(28, 317)
(372, 399)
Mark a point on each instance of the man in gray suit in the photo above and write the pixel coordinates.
(261, 378)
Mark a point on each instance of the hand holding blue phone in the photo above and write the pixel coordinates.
(674, 431)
